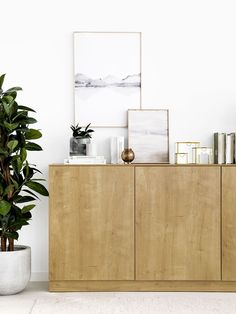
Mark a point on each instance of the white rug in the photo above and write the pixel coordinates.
(135, 303)
(37, 300)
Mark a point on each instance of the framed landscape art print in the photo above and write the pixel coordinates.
(148, 135)
(107, 77)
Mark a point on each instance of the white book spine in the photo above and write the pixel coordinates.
(116, 148)
(230, 148)
(221, 152)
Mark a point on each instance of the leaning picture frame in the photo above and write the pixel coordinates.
(107, 77)
(148, 135)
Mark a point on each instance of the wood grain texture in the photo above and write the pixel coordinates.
(91, 223)
(213, 286)
(229, 223)
(178, 223)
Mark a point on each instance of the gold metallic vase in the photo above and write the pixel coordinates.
(127, 155)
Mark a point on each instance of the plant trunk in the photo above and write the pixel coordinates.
(11, 244)
(3, 244)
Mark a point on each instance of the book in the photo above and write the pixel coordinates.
(219, 148)
(85, 160)
(116, 148)
(230, 148)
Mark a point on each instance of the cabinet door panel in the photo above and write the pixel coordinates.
(178, 223)
(229, 223)
(91, 223)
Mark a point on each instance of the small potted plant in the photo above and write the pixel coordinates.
(79, 140)
(17, 188)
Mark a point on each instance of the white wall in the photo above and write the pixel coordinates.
(188, 66)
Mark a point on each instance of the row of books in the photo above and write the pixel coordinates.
(85, 160)
(224, 148)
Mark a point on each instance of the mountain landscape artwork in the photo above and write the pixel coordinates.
(82, 80)
(107, 77)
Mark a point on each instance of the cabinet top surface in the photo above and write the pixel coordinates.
(142, 165)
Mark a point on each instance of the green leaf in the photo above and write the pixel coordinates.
(5, 207)
(15, 183)
(17, 225)
(30, 120)
(10, 107)
(13, 89)
(33, 134)
(27, 208)
(11, 235)
(20, 115)
(26, 120)
(12, 145)
(36, 170)
(26, 169)
(32, 146)
(8, 99)
(24, 199)
(17, 164)
(13, 94)
(26, 108)
(23, 154)
(31, 193)
(2, 80)
(26, 215)
(10, 126)
(37, 187)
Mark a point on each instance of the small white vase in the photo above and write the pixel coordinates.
(15, 270)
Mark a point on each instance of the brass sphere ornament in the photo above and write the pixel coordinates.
(128, 155)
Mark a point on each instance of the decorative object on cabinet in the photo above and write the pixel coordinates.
(17, 186)
(91, 149)
(116, 148)
(107, 74)
(219, 148)
(148, 135)
(202, 155)
(181, 158)
(230, 148)
(128, 155)
(186, 148)
(85, 160)
(80, 139)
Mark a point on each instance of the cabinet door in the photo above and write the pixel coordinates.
(229, 223)
(91, 223)
(178, 223)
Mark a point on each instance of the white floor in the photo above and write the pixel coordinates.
(37, 300)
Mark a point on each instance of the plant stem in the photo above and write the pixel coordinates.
(11, 244)
(3, 244)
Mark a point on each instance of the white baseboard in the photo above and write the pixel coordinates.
(39, 276)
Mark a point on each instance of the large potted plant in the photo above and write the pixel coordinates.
(17, 188)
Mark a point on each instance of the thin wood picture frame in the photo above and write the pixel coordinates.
(112, 82)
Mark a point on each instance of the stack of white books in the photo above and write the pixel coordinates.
(85, 160)
(224, 148)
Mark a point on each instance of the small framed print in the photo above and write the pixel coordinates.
(148, 135)
(107, 77)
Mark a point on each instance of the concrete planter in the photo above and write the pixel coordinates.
(78, 146)
(15, 270)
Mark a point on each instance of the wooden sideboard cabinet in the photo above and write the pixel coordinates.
(142, 228)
